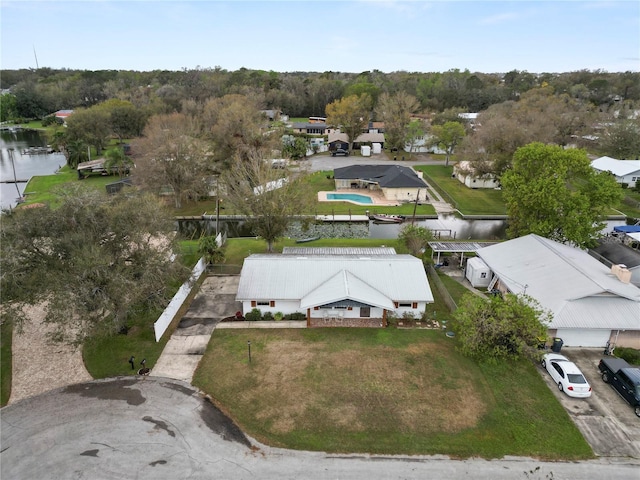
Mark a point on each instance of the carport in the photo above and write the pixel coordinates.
(457, 247)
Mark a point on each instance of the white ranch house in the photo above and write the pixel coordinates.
(335, 286)
(624, 171)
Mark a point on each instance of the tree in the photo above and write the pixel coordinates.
(235, 125)
(171, 156)
(501, 327)
(294, 147)
(448, 136)
(622, 139)
(395, 111)
(556, 194)
(415, 238)
(7, 107)
(415, 131)
(92, 262)
(268, 197)
(208, 247)
(91, 126)
(351, 115)
(116, 161)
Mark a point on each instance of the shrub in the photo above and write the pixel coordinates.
(295, 316)
(631, 355)
(267, 316)
(254, 315)
(278, 316)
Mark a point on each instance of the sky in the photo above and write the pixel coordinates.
(316, 36)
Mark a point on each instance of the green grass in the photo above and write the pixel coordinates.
(383, 391)
(469, 201)
(630, 206)
(6, 367)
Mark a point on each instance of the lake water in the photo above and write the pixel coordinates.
(26, 166)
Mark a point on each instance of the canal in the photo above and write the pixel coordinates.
(13, 144)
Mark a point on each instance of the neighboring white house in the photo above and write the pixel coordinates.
(334, 287)
(465, 173)
(590, 303)
(624, 171)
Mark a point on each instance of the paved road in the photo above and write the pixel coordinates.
(158, 428)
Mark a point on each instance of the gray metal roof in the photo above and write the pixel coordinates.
(338, 251)
(578, 290)
(459, 246)
(322, 279)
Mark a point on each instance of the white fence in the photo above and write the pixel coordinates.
(160, 326)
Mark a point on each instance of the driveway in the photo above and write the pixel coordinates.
(606, 421)
(215, 300)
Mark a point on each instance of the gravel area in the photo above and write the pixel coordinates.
(40, 365)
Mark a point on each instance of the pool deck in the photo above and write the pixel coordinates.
(376, 197)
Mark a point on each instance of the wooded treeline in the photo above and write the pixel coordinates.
(37, 93)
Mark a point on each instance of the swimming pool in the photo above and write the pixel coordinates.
(349, 197)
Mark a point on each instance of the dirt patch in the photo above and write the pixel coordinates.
(318, 387)
(40, 365)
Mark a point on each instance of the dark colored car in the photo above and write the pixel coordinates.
(624, 378)
(340, 151)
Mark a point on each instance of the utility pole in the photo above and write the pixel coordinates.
(415, 206)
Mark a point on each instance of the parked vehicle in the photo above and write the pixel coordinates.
(566, 375)
(624, 378)
(340, 151)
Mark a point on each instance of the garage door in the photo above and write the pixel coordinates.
(579, 337)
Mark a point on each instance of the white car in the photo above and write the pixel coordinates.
(566, 375)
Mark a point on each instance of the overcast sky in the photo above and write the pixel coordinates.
(344, 36)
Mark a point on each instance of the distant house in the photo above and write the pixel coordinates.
(335, 286)
(624, 171)
(397, 183)
(337, 138)
(465, 172)
(590, 304)
(63, 114)
(310, 128)
(92, 166)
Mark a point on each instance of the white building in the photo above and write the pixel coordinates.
(590, 304)
(335, 286)
(625, 171)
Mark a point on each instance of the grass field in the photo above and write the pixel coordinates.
(481, 201)
(385, 391)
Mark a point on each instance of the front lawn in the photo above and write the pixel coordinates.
(384, 391)
(469, 201)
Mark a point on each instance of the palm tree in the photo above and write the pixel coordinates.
(117, 161)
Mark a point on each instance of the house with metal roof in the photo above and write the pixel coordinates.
(336, 288)
(624, 171)
(590, 304)
(396, 182)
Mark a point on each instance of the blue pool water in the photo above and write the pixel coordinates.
(352, 197)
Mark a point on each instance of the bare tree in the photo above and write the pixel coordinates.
(171, 158)
(268, 197)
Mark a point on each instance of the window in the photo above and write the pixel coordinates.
(406, 305)
(483, 275)
(365, 312)
(262, 304)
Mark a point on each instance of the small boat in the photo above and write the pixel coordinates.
(388, 218)
(310, 239)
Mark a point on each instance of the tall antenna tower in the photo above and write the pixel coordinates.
(34, 54)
